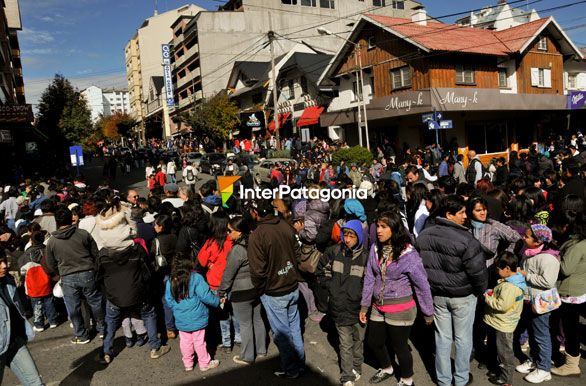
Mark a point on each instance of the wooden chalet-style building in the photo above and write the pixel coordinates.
(497, 87)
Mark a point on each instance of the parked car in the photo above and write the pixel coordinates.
(249, 160)
(262, 171)
(172, 155)
(194, 157)
(213, 163)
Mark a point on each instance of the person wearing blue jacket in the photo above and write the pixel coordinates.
(188, 296)
(15, 332)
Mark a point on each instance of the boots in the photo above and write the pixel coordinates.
(570, 369)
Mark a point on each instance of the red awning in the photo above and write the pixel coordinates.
(282, 119)
(310, 116)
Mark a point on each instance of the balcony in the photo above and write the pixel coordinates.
(154, 106)
(192, 77)
(188, 54)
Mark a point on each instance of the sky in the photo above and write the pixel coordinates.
(84, 40)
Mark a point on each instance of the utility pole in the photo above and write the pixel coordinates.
(359, 95)
(362, 92)
(271, 36)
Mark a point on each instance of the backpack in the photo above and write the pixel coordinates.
(190, 176)
(471, 171)
(37, 283)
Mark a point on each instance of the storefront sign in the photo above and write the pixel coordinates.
(252, 120)
(16, 113)
(458, 99)
(168, 78)
(577, 100)
(405, 103)
(5, 136)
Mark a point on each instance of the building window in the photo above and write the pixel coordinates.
(542, 45)
(371, 43)
(326, 4)
(289, 2)
(573, 81)
(291, 89)
(371, 81)
(304, 87)
(309, 3)
(503, 79)
(356, 94)
(464, 75)
(396, 4)
(401, 78)
(541, 77)
(378, 3)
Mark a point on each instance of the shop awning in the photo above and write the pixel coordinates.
(310, 116)
(282, 119)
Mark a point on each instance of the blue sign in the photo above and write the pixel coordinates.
(76, 155)
(447, 124)
(577, 100)
(433, 125)
(168, 78)
(427, 117)
(437, 116)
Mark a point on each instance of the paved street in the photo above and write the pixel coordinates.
(60, 362)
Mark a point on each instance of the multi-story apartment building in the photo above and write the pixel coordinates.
(11, 79)
(207, 45)
(498, 17)
(143, 56)
(104, 102)
(496, 87)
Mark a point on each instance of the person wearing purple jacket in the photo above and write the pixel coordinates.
(394, 278)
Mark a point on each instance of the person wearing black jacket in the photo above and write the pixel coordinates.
(340, 275)
(456, 269)
(125, 277)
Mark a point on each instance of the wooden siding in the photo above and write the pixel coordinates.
(535, 58)
(442, 70)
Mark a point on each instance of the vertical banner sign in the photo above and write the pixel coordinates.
(166, 49)
(76, 155)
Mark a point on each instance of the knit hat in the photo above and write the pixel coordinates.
(354, 207)
(542, 233)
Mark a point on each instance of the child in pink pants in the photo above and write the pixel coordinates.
(188, 296)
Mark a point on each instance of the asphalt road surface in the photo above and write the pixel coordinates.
(62, 363)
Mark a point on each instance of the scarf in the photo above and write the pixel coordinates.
(477, 225)
(533, 251)
(213, 200)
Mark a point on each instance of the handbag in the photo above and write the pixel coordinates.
(308, 257)
(57, 290)
(545, 301)
(160, 260)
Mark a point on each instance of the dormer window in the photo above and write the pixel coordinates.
(371, 43)
(542, 45)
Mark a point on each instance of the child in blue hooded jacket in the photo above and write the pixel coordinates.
(188, 296)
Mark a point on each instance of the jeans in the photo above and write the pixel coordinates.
(114, 316)
(454, 320)
(225, 318)
(351, 343)
(44, 307)
(540, 341)
(194, 341)
(283, 315)
(77, 286)
(20, 361)
(252, 329)
(171, 178)
(506, 357)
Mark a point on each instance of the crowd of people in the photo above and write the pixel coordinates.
(487, 259)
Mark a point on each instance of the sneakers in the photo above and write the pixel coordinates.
(107, 359)
(141, 340)
(129, 342)
(236, 359)
(156, 354)
(77, 340)
(38, 329)
(402, 383)
(525, 367)
(525, 346)
(381, 376)
(53, 326)
(212, 365)
(189, 369)
(538, 376)
(356, 375)
(284, 374)
(348, 383)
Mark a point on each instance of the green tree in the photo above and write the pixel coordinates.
(215, 118)
(76, 120)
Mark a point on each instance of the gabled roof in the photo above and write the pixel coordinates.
(254, 71)
(312, 65)
(158, 83)
(435, 36)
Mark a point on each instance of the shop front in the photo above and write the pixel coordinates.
(485, 119)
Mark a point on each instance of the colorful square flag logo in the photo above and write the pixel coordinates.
(226, 185)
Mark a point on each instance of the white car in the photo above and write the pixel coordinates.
(262, 172)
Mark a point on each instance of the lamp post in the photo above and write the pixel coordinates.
(359, 84)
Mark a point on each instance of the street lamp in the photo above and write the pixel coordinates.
(359, 83)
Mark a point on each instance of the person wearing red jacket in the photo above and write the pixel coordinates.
(212, 256)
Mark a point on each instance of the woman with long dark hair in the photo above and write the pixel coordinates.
(394, 278)
(237, 285)
(417, 212)
(212, 257)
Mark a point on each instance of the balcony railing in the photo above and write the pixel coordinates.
(153, 106)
